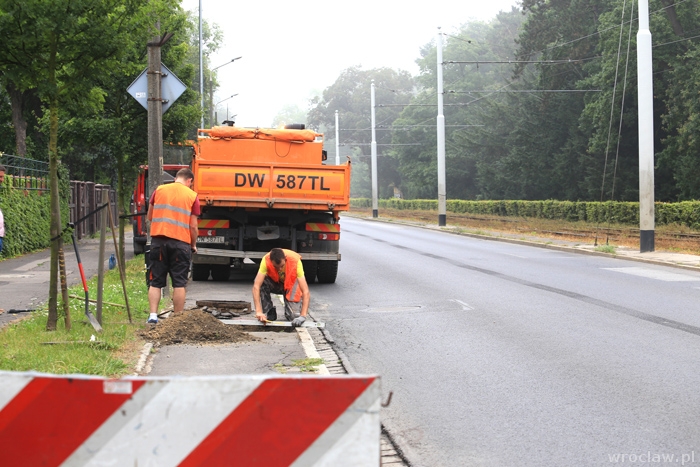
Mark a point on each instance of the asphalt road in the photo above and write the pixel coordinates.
(510, 355)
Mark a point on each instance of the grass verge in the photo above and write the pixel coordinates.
(26, 345)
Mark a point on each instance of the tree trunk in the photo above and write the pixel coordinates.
(64, 288)
(18, 121)
(56, 245)
(673, 17)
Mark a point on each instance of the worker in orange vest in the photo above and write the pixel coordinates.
(172, 214)
(281, 272)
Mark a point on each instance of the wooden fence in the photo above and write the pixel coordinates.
(85, 197)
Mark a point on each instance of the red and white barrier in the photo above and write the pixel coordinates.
(80, 420)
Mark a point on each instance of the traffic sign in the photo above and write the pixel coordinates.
(170, 89)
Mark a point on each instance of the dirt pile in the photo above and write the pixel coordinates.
(193, 327)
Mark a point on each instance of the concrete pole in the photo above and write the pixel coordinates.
(375, 189)
(201, 65)
(337, 141)
(645, 89)
(211, 103)
(442, 191)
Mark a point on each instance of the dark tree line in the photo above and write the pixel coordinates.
(512, 133)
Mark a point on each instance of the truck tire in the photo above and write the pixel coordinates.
(138, 248)
(200, 272)
(310, 270)
(327, 271)
(220, 272)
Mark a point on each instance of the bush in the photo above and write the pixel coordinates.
(27, 214)
(627, 213)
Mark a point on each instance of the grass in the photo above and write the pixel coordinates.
(605, 249)
(26, 345)
(308, 365)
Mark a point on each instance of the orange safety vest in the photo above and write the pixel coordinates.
(172, 208)
(291, 284)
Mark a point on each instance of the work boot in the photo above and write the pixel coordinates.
(272, 314)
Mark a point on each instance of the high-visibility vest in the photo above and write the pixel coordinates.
(172, 208)
(291, 284)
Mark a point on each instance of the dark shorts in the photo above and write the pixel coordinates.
(169, 256)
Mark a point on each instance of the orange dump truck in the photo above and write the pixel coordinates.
(266, 188)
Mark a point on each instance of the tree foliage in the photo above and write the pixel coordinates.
(77, 58)
(350, 95)
(561, 123)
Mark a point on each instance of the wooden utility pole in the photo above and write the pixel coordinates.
(155, 114)
(155, 121)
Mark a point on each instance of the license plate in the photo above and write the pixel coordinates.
(210, 239)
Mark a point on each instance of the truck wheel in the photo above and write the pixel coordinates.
(200, 272)
(327, 271)
(138, 248)
(310, 269)
(220, 272)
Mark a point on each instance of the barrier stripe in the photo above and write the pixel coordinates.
(213, 224)
(248, 420)
(294, 431)
(346, 438)
(327, 228)
(65, 426)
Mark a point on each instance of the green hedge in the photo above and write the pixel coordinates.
(627, 213)
(27, 214)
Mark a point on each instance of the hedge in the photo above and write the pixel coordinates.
(627, 213)
(27, 214)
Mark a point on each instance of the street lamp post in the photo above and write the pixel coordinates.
(216, 116)
(211, 89)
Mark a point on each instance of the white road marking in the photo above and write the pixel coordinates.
(465, 306)
(517, 256)
(655, 274)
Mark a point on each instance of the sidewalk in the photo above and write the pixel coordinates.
(24, 281)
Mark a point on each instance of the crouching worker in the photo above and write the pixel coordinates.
(281, 272)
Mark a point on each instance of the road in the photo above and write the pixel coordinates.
(504, 354)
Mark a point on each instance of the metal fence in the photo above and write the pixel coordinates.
(28, 174)
(85, 197)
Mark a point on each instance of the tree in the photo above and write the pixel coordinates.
(289, 114)
(58, 47)
(350, 95)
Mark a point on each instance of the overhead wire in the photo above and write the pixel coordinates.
(622, 109)
(612, 111)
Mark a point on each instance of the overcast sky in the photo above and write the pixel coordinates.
(293, 50)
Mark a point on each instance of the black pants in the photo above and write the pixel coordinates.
(291, 309)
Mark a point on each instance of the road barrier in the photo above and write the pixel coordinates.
(219, 420)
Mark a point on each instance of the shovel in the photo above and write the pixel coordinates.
(88, 313)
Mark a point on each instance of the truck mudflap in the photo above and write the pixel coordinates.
(259, 254)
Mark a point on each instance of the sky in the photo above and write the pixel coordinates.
(292, 50)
